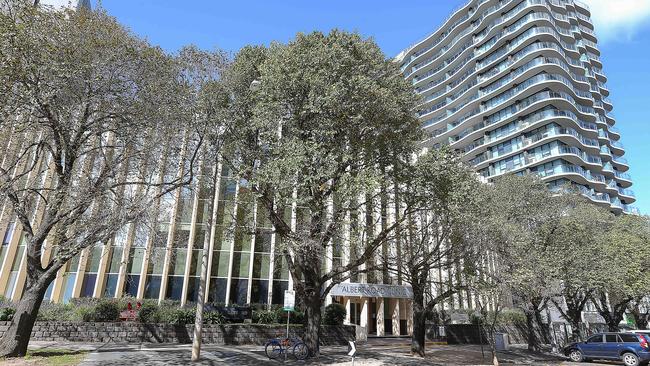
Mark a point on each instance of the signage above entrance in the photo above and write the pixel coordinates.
(370, 290)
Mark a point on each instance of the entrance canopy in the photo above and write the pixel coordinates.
(371, 290)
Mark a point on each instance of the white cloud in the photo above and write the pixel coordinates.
(618, 19)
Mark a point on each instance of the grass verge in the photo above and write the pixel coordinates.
(47, 357)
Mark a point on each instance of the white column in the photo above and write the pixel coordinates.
(364, 313)
(346, 303)
(409, 316)
(380, 316)
(396, 319)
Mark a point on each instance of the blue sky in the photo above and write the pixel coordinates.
(622, 25)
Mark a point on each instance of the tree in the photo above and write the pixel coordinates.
(86, 106)
(527, 213)
(624, 254)
(502, 237)
(443, 187)
(206, 101)
(329, 122)
(575, 249)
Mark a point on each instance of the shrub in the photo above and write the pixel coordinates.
(56, 311)
(213, 317)
(174, 315)
(4, 302)
(85, 302)
(183, 316)
(122, 303)
(512, 317)
(106, 311)
(84, 313)
(334, 314)
(297, 316)
(265, 317)
(7, 314)
(149, 313)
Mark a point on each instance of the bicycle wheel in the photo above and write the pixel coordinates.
(273, 349)
(300, 351)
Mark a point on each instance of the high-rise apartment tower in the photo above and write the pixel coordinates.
(518, 87)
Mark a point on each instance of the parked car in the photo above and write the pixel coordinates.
(631, 348)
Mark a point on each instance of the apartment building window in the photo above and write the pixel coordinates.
(69, 278)
(90, 274)
(9, 232)
(15, 267)
(136, 258)
(280, 274)
(261, 260)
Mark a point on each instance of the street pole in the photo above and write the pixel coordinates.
(288, 316)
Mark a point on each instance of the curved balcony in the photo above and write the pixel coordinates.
(498, 75)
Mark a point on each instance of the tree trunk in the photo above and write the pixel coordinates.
(419, 325)
(16, 338)
(495, 359)
(533, 342)
(613, 314)
(575, 330)
(640, 318)
(546, 334)
(313, 318)
(612, 324)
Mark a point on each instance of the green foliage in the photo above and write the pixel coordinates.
(297, 316)
(213, 317)
(84, 313)
(7, 314)
(345, 114)
(106, 311)
(511, 317)
(179, 316)
(265, 316)
(50, 311)
(334, 314)
(149, 313)
(504, 317)
(86, 310)
(4, 302)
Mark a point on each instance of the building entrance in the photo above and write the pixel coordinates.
(378, 315)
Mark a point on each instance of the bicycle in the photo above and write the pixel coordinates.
(277, 347)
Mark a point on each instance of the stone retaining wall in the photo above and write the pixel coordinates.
(222, 334)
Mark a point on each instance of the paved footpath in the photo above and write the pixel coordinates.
(375, 352)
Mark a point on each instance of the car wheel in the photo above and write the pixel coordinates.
(630, 359)
(576, 356)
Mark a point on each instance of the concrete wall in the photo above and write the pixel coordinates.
(222, 334)
(471, 334)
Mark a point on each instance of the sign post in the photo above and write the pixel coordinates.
(289, 305)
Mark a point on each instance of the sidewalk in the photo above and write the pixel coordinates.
(369, 354)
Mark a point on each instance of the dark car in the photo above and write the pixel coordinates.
(633, 349)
